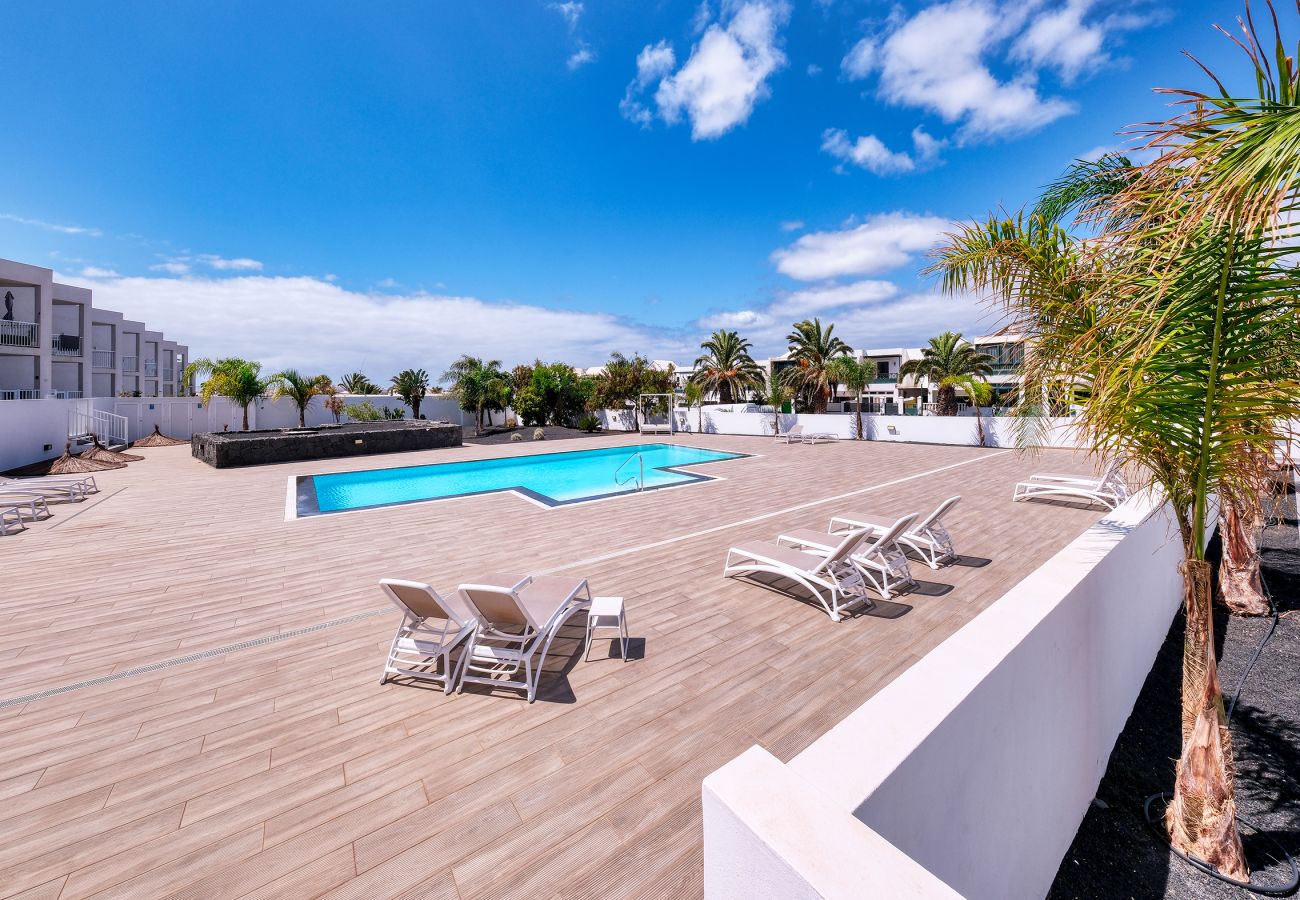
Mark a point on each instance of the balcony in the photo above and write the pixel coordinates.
(167, 375)
(19, 395)
(65, 345)
(102, 359)
(63, 395)
(19, 334)
(130, 364)
(151, 368)
(892, 379)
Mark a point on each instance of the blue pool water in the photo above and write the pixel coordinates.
(552, 478)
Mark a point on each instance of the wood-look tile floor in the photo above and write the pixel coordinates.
(285, 769)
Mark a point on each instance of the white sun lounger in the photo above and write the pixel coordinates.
(820, 437)
(85, 484)
(31, 501)
(1109, 489)
(879, 558)
(835, 582)
(792, 435)
(10, 517)
(518, 617)
(56, 490)
(928, 536)
(431, 627)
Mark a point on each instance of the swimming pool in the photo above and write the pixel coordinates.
(552, 479)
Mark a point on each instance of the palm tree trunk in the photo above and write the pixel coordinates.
(1240, 585)
(1201, 818)
(947, 400)
(699, 409)
(245, 416)
(302, 417)
(861, 436)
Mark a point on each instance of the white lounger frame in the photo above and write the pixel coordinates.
(881, 561)
(831, 578)
(1110, 489)
(928, 537)
(493, 652)
(417, 643)
(33, 501)
(9, 517)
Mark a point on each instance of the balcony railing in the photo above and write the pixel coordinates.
(130, 364)
(885, 379)
(20, 395)
(65, 344)
(167, 374)
(151, 367)
(63, 395)
(19, 334)
(102, 359)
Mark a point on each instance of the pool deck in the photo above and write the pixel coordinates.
(274, 764)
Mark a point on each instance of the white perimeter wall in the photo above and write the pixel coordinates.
(965, 430)
(970, 773)
(26, 426)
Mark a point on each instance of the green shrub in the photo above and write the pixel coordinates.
(365, 411)
(589, 423)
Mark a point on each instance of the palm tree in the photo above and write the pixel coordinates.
(855, 375)
(478, 385)
(947, 362)
(693, 396)
(812, 350)
(726, 368)
(300, 389)
(1181, 340)
(774, 393)
(357, 383)
(411, 385)
(238, 380)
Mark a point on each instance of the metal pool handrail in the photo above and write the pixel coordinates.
(639, 478)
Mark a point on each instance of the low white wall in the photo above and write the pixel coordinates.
(962, 430)
(977, 764)
(28, 426)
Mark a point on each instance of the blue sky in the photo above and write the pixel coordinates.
(339, 186)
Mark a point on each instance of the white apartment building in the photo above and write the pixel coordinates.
(54, 343)
(888, 393)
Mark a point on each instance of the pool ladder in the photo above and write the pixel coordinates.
(637, 476)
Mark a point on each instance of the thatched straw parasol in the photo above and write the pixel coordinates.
(67, 464)
(157, 439)
(101, 453)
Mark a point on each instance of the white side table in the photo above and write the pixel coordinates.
(607, 612)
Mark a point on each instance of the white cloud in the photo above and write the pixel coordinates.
(860, 60)
(580, 58)
(955, 83)
(97, 272)
(319, 326)
(792, 225)
(870, 153)
(653, 62)
(883, 242)
(172, 267)
(570, 12)
(221, 263)
(1060, 39)
(723, 79)
(51, 226)
(810, 301)
(814, 70)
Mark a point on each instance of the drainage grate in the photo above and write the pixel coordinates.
(193, 657)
